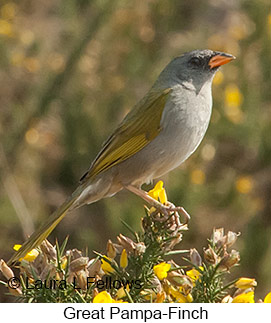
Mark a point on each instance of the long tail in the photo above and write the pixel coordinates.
(42, 233)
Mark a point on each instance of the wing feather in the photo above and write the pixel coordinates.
(139, 127)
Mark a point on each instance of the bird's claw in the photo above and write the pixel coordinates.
(170, 210)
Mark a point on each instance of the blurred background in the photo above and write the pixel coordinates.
(69, 72)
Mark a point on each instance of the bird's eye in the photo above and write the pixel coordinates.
(195, 61)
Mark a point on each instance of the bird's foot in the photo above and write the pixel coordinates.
(167, 210)
(171, 210)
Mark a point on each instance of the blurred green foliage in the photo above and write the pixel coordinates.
(70, 70)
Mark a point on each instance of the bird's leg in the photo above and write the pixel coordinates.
(165, 209)
(146, 197)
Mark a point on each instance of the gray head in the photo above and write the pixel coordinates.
(193, 69)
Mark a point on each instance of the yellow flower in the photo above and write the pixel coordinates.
(123, 259)
(194, 274)
(267, 298)
(64, 262)
(159, 193)
(148, 294)
(181, 299)
(176, 294)
(189, 298)
(245, 283)
(30, 256)
(179, 296)
(161, 270)
(106, 267)
(160, 297)
(103, 297)
(121, 291)
(244, 298)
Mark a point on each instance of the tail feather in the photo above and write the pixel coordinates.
(42, 233)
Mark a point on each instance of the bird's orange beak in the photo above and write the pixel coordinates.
(220, 59)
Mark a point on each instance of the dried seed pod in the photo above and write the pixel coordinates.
(95, 292)
(218, 234)
(94, 267)
(195, 257)
(38, 264)
(48, 249)
(156, 283)
(187, 286)
(70, 278)
(118, 248)
(231, 238)
(6, 270)
(81, 279)
(229, 260)
(178, 279)
(174, 241)
(140, 248)
(74, 254)
(218, 237)
(110, 249)
(48, 272)
(210, 256)
(9, 275)
(126, 243)
(78, 264)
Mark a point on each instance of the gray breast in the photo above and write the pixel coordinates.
(185, 121)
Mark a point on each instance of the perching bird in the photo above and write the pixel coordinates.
(156, 136)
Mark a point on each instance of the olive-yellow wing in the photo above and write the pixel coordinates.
(139, 127)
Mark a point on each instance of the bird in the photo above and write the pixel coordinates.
(158, 134)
